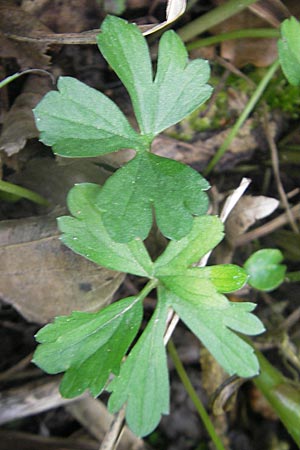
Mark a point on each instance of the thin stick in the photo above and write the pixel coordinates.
(276, 170)
(267, 228)
(111, 438)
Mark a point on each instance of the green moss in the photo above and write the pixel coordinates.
(229, 102)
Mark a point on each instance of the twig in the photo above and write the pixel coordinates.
(276, 170)
(16, 368)
(268, 227)
(112, 436)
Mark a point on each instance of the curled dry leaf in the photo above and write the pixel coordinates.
(175, 8)
(71, 16)
(18, 124)
(41, 278)
(14, 21)
(258, 51)
(248, 210)
(38, 274)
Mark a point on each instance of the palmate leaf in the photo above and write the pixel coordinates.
(179, 87)
(211, 317)
(86, 235)
(80, 121)
(88, 346)
(149, 182)
(143, 382)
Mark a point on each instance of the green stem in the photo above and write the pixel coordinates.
(9, 79)
(22, 192)
(152, 284)
(248, 109)
(282, 394)
(212, 18)
(293, 277)
(194, 397)
(13, 77)
(237, 34)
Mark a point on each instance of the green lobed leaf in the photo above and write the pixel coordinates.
(212, 318)
(206, 233)
(289, 50)
(149, 182)
(179, 86)
(88, 346)
(264, 269)
(78, 121)
(126, 50)
(86, 235)
(225, 277)
(143, 381)
(192, 283)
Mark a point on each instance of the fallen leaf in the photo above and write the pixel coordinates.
(272, 11)
(260, 52)
(39, 275)
(71, 16)
(248, 210)
(18, 124)
(42, 278)
(15, 21)
(60, 14)
(53, 179)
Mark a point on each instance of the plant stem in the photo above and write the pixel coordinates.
(148, 288)
(212, 18)
(13, 77)
(22, 192)
(281, 393)
(237, 34)
(248, 109)
(194, 397)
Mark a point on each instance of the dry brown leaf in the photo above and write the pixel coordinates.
(42, 278)
(272, 11)
(38, 275)
(18, 124)
(15, 21)
(53, 180)
(260, 52)
(71, 16)
(58, 18)
(247, 211)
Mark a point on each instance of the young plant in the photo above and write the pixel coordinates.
(264, 269)
(108, 225)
